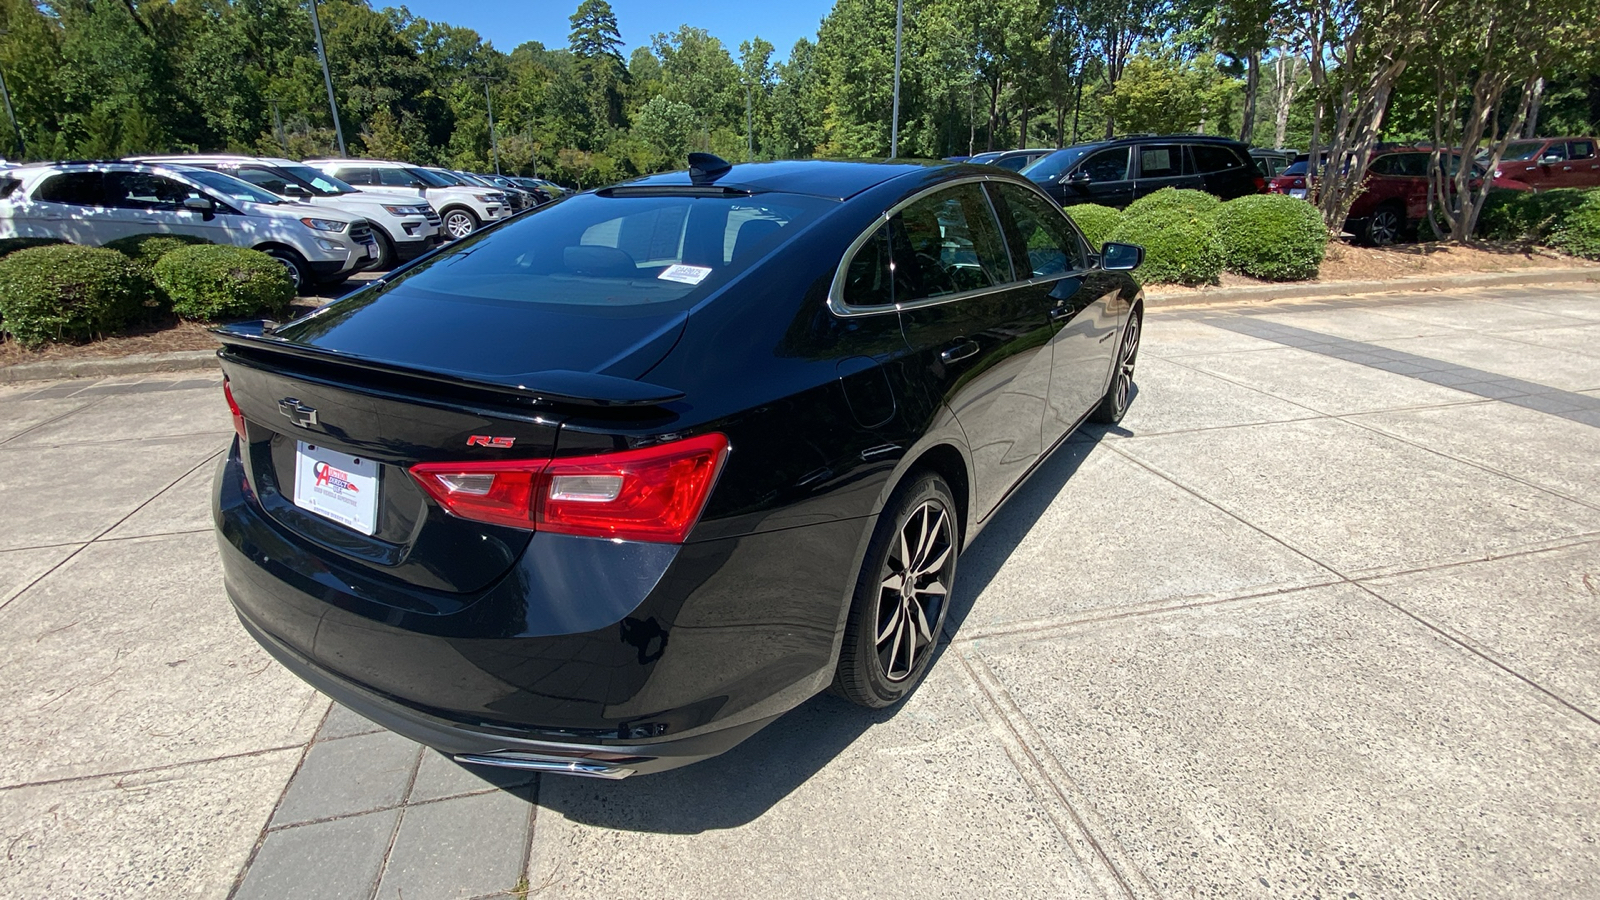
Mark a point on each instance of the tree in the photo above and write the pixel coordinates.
(594, 42)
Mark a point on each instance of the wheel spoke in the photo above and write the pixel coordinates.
(895, 582)
(921, 618)
(886, 630)
(935, 564)
(932, 587)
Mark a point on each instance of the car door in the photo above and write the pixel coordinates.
(1082, 302)
(1553, 167)
(977, 331)
(1163, 166)
(1582, 168)
(154, 203)
(69, 206)
(1102, 177)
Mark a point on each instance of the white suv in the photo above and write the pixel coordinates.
(94, 203)
(405, 226)
(464, 208)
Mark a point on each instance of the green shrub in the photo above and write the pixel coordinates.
(1095, 221)
(149, 248)
(1272, 236)
(1525, 215)
(12, 245)
(215, 282)
(1198, 203)
(1578, 232)
(1180, 247)
(68, 292)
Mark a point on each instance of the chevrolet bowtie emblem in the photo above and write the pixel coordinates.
(297, 412)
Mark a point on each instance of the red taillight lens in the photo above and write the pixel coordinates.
(233, 407)
(1261, 184)
(653, 494)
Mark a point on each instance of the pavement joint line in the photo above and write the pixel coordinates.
(261, 836)
(1476, 464)
(74, 554)
(164, 767)
(1473, 649)
(394, 833)
(51, 421)
(158, 438)
(134, 537)
(533, 823)
(1468, 400)
(1055, 775)
(1377, 572)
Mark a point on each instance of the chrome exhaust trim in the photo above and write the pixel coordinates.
(560, 765)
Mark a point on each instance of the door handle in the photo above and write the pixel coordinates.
(1061, 312)
(960, 350)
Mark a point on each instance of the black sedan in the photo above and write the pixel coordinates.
(606, 488)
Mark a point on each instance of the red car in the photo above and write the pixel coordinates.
(1545, 163)
(1394, 200)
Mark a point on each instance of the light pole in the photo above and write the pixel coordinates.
(327, 79)
(22, 148)
(494, 142)
(894, 127)
(749, 127)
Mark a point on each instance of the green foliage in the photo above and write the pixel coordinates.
(67, 292)
(1166, 96)
(217, 282)
(1272, 236)
(1197, 203)
(1579, 230)
(12, 245)
(1095, 221)
(1527, 216)
(1180, 247)
(147, 249)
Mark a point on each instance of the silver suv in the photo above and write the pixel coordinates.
(406, 227)
(464, 208)
(95, 203)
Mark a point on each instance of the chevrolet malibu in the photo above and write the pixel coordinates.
(606, 488)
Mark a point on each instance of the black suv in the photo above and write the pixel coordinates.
(1119, 171)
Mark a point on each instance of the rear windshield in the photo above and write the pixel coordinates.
(1050, 167)
(592, 250)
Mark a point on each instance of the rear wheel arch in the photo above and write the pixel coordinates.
(950, 464)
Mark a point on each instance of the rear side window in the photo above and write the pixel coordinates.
(872, 278)
(1580, 149)
(1107, 165)
(1383, 165)
(141, 190)
(1043, 239)
(1161, 161)
(596, 250)
(8, 185)
(394, 177)
(954, 242)
(1215, 158)
(355, 175)
(76, 188)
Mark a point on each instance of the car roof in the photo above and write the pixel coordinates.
(348, 160)
(834, 179)
(198, 158)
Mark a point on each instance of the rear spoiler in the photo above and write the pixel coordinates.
(558, 386)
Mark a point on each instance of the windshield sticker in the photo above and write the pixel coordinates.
(685, 274)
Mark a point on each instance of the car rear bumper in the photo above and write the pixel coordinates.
(659, 654)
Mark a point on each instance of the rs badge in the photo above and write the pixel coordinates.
(484, 440)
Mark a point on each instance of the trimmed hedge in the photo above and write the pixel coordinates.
(1272, 236)
(1095, 221)
(149, 248)
(1579, 231)
(67, 292)
(1197, 203)
(215, 282)
(1180, 247)
(12, 245)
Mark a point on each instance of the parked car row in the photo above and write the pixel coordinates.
(323, 219)
(1119, 171)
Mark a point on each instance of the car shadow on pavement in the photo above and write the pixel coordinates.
(739, 786)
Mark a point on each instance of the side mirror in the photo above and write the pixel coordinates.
(1077, 176)
(1552, 158)
(295, 190)
(202, 205)
(1116, 257)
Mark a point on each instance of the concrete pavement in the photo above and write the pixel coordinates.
(1320, 618)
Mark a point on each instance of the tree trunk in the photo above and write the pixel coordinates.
(1286, 69)
(1531, 127)
(1252, 86)
(994, 111)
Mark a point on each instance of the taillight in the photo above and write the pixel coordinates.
(1261, 184)
(233, 407)
(653, 494)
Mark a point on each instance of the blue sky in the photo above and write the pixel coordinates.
(507, 23)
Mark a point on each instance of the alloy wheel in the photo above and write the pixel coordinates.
(1127, 356)
(1384, 228)
(459, 224)
(292, 267)
(914, 589)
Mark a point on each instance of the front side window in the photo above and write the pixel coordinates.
(1041, 234)
(1523, 150)
(231, 187)
(76, 188)
(1107, 165)
(954, 243)
(1556, 152)
(262, 178)
(1161, 161)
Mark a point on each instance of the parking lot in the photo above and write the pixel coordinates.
(1321, 618)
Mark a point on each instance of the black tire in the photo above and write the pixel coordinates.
(1386, 226)
(458, 222)
(387, 257)
(890, 638)
(1114, 405)
(299, 272)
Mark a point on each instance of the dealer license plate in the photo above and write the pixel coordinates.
(336, 486)
(1297, 193)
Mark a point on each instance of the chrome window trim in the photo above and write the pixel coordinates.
(836, 302)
